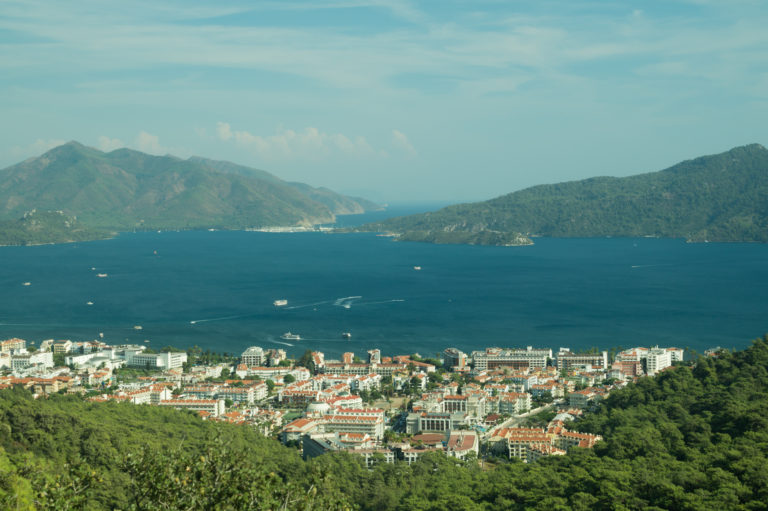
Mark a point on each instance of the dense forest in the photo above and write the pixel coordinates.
(712, 198)
(694, 437)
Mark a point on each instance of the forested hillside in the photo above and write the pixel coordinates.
(722, 197)
(690, 438)
(125, 190)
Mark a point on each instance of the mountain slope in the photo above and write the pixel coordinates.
(127, 189)
(723, 197)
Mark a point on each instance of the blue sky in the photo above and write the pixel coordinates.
(394, 100)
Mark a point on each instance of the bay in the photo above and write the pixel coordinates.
(216, 290)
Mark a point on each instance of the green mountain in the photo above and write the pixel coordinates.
(723, 197)
(126, 189)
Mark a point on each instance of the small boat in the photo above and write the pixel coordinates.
(417, 268)
(89, 303)
(101, 275)
(138, 327)
(288, 336)
(280, 303)
(346, 335)
(27, 284)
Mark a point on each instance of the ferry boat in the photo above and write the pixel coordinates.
(280, 303)
(346, 335)
(288, 336)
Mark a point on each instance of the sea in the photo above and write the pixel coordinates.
(216, 290)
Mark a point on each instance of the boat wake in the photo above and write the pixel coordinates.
(380, 302)
(306, 305)
(196, 321)
(346, 302)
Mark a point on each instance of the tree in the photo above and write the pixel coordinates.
(308, 361)
(289, 378)
(270, 385)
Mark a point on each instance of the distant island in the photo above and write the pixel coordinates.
(80, 193)
(723, 198)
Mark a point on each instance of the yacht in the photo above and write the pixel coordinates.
(288, 336)
(280, 303)
(346, 335)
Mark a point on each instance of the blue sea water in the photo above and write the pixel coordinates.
(216, 290)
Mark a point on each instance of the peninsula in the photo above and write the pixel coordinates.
(721, 197)
(128, 190)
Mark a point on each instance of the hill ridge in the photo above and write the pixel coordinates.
(720, 197)
(127, 189)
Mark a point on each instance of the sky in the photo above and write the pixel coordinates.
(394, 100)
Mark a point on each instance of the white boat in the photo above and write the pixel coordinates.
(138, 327)
(89, 303)
(417, 268)
(101, 275)
(27, 284)
(280, 303)
(346, 335)
(288, 336)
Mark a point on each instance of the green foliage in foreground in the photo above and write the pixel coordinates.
(716, 198)
(692, 438)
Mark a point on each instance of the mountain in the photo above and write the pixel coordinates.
(127, 189)
(722, 197)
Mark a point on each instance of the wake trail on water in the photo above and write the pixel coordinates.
(208, 320)
(380, 302)
(346, 302)
(307, 305)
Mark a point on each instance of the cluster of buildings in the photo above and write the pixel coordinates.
(498, 387)
(481, 398)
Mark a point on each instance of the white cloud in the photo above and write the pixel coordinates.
(36, 148)
(107, 144)
(401, 142)
(148, 143)
(310, 144)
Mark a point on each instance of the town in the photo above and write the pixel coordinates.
(492, 404)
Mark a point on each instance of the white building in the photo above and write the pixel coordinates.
(214, 407)
(25, 360)
(493, 358)
(253, 357)
(170, 360)
(658, 359)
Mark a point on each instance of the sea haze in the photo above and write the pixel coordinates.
(216, 290)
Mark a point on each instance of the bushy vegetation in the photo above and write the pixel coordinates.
(37, 227)
(691, 438)
(716, 198)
